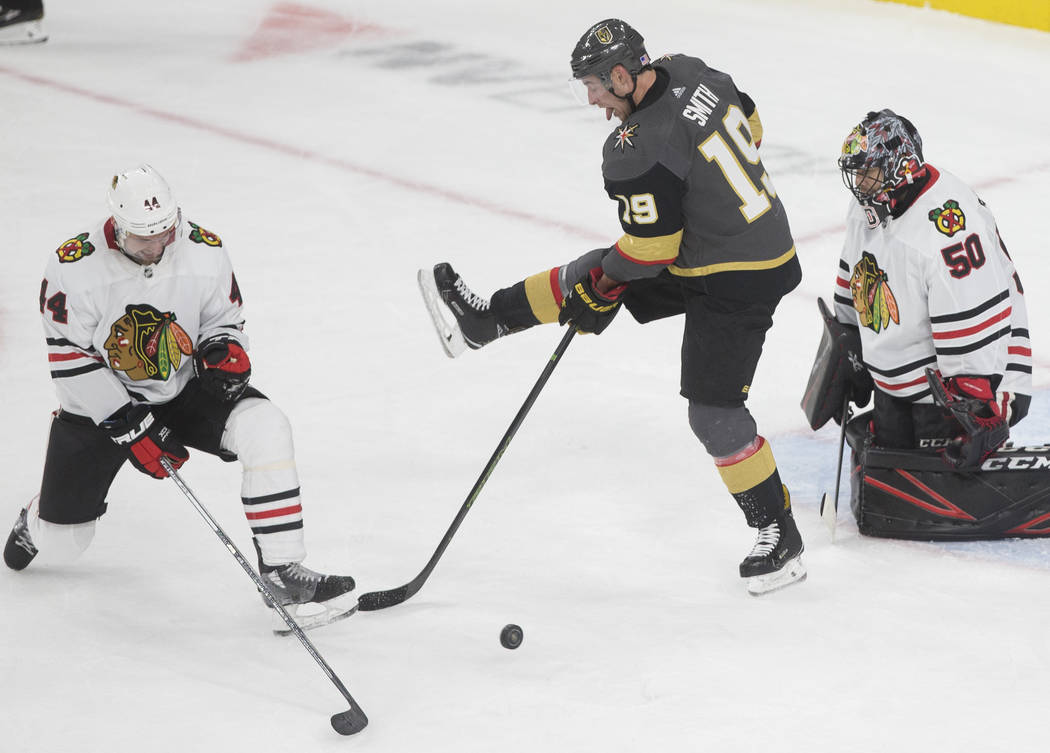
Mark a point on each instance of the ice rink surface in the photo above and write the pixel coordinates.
(336, 148)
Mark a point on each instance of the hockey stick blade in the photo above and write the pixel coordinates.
(346, 722)
(349, 722)
(829, 509)
(827, 514)
(371, 602)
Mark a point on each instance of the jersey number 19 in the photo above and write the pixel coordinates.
(754, 201)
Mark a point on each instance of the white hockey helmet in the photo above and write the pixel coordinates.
(142, 203)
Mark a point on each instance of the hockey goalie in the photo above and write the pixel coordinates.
(929, 318)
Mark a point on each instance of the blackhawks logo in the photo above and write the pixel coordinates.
(146, 344)
(856, 142)
(949, 219)
(75, 249)
(872, 297)
(200, 235)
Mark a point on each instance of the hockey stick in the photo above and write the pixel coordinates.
(829, 513)
(382, 599)
(345, 722)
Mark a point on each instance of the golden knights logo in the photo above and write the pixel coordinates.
(624, 136)
(146, 344)
(75, 249)
(200, 235)
(949, 219)
(872, 298)
(604, 35)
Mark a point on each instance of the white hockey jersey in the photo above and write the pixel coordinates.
(934, 288)
(117, 331)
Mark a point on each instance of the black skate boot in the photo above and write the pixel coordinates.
(776, 559)
(474, 325)
(19, 551)
(311, 598)
(22, 24)
(295, 584)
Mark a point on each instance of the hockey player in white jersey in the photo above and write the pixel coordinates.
(144, 324)
(929, 316)
(928, 281)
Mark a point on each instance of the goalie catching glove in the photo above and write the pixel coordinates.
(222, 366)
(974, 404)
(146, 440)
(587, 308)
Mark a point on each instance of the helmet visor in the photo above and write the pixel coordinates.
(148, 249)
(586, 90)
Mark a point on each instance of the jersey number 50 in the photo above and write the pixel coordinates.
(754, 200)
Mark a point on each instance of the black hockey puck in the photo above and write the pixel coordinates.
(511, 636)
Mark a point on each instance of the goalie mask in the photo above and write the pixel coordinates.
(146, 217)
(881, 158)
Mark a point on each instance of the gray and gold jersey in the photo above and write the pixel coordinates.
(694, 198)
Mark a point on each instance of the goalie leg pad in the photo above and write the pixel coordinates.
(911, 494)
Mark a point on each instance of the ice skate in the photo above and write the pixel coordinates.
(20, 551)
(776, 559)
(18, 26)
(311, 598)
(446, 296)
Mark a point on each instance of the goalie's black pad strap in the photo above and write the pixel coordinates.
(837, 371)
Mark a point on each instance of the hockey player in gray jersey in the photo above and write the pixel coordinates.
(144, 324)
(704, 235)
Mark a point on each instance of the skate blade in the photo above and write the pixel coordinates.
(792, 572)
(28, 32)
(315, 614)
(450, 335)
(829, 514)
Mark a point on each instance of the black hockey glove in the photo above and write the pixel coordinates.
(588, 309)
(222, 366)
(146, 439)
(973, 402)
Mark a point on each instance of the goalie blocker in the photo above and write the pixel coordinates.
(911, 494)
(838, 372)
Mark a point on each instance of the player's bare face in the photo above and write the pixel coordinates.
(599, 96)
(147, 249)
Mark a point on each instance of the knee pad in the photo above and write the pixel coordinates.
(259, 433)
(723, 429)
(60, 543)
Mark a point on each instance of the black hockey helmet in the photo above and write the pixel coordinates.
(607, 44)
(885, 141)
